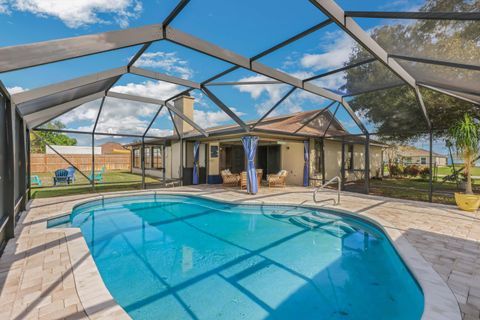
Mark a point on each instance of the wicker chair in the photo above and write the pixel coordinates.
(243, 180)
(277, 180)
(229, 179)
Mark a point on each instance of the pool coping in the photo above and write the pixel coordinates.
(439, 301)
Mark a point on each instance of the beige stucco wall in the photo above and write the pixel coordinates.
(292, 161)
(333, 160)
(213, 163)
(439, 161)
(172, 161)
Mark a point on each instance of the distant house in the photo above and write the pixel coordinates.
(410, 155)
(113, 148)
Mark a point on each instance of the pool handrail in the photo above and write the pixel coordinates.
(339, 182)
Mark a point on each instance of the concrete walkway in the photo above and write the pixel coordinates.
(49, 274)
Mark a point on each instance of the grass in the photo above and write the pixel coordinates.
(112, 181)
(416, 189)
(448, 170)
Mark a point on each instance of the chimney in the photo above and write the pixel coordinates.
(185, 105)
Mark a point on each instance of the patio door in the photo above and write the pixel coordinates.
(268, 159)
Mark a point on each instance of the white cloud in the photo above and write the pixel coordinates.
(335, 54)
(255, 91)
(4, 7)
(167, 61)
(123, 116)
(16, 89)
(78, 13)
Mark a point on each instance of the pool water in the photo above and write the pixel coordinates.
(182, 257)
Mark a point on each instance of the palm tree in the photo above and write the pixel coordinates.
(465, 136)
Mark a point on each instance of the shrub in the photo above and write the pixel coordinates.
(425, 172)
(395, 170)
(411, 170)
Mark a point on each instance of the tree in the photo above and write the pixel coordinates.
(396, 111)
(465, 134)
(37, 145)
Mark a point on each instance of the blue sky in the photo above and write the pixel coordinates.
(246, 27)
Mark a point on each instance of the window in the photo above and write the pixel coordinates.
(136, 158)
(349, 158)
(148, 158)
(423, 160)
(157, 158)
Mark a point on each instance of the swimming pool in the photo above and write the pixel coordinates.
(184, 257)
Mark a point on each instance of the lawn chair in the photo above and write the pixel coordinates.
(71, 174)
(98, 176)
(35, 180)
(278, 179)
(61, 176)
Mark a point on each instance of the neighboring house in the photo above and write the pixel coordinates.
(113, 148)
(410, 155)
(278, 149)
(72, 150)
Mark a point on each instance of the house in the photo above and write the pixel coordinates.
(410, 155)
(113, 148)
(278, 148)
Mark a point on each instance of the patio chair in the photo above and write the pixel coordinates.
(71, 174)
(61, 176)
(97, 176)
(278, 179)
(229, 179)
(35, 180)
(243, 180)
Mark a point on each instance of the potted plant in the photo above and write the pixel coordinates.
(465, 136)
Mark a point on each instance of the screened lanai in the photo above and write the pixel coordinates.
(395, 77)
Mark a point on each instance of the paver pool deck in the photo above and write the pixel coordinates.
(49, 273)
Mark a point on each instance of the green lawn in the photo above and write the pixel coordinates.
(112, 181)
(416, 189)
(448, 170)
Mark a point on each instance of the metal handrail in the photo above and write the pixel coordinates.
(339, 181)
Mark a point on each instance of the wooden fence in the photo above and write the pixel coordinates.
(50, 162)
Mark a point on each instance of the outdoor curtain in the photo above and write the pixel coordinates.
(306, 166)
(250, 147)
(196, 148)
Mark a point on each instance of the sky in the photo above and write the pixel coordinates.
(246, 27)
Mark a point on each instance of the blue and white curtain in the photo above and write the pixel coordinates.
(196, 149)
(306, 166)
(250, 147)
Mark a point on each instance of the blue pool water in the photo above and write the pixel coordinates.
(179, 257)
